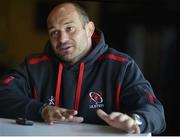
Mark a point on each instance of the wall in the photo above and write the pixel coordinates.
(18, 34)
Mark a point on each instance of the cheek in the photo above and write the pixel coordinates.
(53, 40)
(82, 39)
(53, 43)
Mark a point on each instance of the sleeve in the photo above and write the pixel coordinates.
(137, 97)
(16, 99)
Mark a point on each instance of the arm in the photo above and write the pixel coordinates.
(137, 97)
(16, 96)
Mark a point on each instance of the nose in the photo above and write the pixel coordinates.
(63, 37)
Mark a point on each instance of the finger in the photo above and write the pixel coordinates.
(137, 130)
(70, 119)
(134, 129)
(103, 115)
(56, 114)
(76, 119)
(66, 113)
(72, 112)
(48, 116)
(49, 120)
(114, 115)
(122, 118)
(129, 125)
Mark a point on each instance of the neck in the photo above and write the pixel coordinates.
(81, 56)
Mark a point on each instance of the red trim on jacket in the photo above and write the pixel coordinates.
(58, 86)
(118, 96)
(151, 97)
(38, 60)
(35, 95)
(112, 56)
(95, 38)
(78, 90)
(7, 80)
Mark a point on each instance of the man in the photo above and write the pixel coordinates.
(78, 78)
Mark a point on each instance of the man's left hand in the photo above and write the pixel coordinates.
(120, 121)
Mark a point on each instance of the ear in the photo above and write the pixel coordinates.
(90, 28)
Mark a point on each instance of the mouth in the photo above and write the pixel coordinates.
(65, 48)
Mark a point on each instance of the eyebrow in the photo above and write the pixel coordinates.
(69, 22)
(51, 27)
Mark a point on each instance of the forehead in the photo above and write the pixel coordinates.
(62, 14)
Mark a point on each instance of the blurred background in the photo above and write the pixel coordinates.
(148, 30)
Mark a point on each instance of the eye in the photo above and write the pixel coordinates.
(70, 29)
(54, 34)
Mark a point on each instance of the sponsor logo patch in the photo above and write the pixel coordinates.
(96, 100)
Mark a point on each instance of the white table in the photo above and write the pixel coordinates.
(8, 127)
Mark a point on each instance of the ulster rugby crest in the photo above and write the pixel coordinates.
(96, 100)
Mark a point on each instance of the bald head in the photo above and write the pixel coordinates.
(68, 8)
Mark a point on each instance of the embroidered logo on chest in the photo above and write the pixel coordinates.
(96, 100)
(51, 101)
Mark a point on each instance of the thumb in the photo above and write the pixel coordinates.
(103, 115)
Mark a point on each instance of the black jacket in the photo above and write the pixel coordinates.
(105, 79)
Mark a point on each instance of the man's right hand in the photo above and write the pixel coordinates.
(53, 114)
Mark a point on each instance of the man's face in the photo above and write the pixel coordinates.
(70, 40)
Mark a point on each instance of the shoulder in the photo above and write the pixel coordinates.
(37, 58)
(113, 54)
